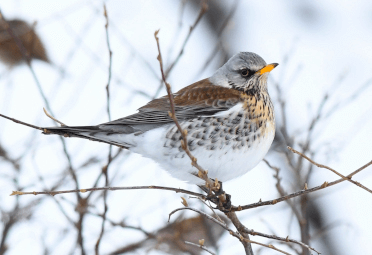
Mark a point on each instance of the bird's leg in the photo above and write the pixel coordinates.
(218, 196)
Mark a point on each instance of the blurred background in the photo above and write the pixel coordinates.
(321, 90)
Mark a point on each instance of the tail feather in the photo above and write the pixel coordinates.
(94, 133)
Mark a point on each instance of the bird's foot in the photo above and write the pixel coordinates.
(218, 196)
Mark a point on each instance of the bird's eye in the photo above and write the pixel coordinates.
(244, 72)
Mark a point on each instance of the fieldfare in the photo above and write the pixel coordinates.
(229, 119)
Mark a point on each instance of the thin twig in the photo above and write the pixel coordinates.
(110, 62)
(346, 178)
(218, 39)
(282, 192)
(201, 247)
(65, 133)
(238, 235)
(287, 239)
(241, 238)
(105, 168)
(21, 122)
(268, 246)
(27, 57)
(203, 10)
(50, 116)
(298, 193)
(211, 208)
(360, 169)
(222, 224)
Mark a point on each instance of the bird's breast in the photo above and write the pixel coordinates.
(238, 129)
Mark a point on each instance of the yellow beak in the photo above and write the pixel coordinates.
(267, 68)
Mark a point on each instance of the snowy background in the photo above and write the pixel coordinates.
(323, 47)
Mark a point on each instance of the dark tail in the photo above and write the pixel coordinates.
(85, 132)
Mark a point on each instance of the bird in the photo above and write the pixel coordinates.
(229, 119)
(10, 53)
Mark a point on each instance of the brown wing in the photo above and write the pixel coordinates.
(198, 99)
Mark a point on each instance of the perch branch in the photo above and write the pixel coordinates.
(53, 193)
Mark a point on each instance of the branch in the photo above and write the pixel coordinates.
(299, 193)
(287, 239)
(221, 223)
(110, 62)
(239, 226)
(53, 193)
(202, 173)
(105, 168)
(327, 167)
(203, 10)
(219, 41)
(50, 116)
(27, 57)
(201, 247)
(21, 122)
(47, 132)
(269, 246)
(242, 238)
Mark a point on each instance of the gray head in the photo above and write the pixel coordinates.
(245, 71)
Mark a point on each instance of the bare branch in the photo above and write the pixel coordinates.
(47, 131)
(203, 10)
(201, 247)
(202, 173)
(269, 246)
(287, 239)
(360, 169)
(281, 190)
(50, 116)
(110, 62)
(105, 168)
(327, 167)
(21, 122)
(298, 193)
(53, 193)
(222, 224)
(219, 42)
(244, 236)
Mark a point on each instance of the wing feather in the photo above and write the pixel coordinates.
(199, 99)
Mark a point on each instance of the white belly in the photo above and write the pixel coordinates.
(225, 162)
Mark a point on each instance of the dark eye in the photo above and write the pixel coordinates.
(244, 72)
